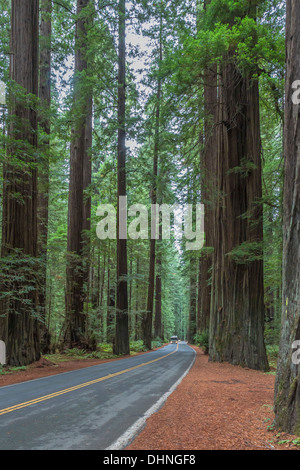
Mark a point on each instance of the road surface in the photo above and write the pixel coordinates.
(95, 408)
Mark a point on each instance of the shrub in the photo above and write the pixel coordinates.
(137, 346)
(202, 340)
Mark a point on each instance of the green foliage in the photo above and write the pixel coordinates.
(245, 168)
(272, 334)
(137, 346)
(272, 350)
(103, 351)
(229, 31)
(247, 252)
(157, 343)
(202, 340)
(19, 276)
(6, 370)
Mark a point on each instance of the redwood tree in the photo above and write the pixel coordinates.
(148, 321)
(158, 290)
(79, 208)
(43, 180)
(287, 389)
(19, 326)
(121, 345)
(208, 194)
(237, 306)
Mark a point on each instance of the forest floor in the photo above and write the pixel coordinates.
(217, 406)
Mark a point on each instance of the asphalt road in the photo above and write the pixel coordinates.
(95, 408)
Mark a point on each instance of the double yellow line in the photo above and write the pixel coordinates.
(77, 387)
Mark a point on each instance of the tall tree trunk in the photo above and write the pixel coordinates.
(193, 265)
(137, 322)
(131, 326)
(43, 183)
(148, 320)
(158, 295)
(237, 307)
(121, 345)
(101, 281)
(287, 387)
(208, 171)
(80, 176)
(192, 324)
(111, 303)
(19, 327)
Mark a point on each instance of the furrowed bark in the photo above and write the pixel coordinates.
(287, 390)
(237, 308)
(79, 207)
(19, 325)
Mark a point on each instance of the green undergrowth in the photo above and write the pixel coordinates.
(5, 370)
(272, 353)
(202, 340)
(103, 351)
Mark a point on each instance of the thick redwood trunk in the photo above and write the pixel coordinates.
(287, 388)
(19, 327)
(208, 197)
(237, 308)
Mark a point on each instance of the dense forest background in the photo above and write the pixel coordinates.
(166, 102)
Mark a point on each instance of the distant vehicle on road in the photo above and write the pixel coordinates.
(174, 339)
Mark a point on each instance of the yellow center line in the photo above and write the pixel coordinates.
(77, 387)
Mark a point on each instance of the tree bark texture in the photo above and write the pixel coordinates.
(208, 196)
(158, 295)
(79, 208)
(192, 324)
(237, 307)
(121, 345)
(152, 257)
(287, 387)
(19, 325)
(43, 176)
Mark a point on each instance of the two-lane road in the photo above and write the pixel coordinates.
(94, 408)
